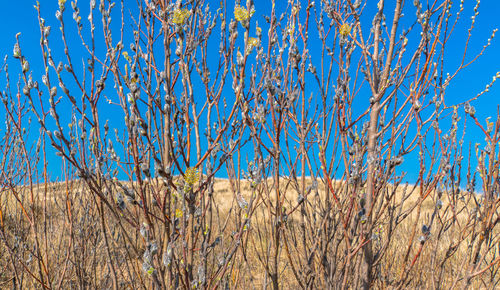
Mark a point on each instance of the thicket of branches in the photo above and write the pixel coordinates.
(311, 110)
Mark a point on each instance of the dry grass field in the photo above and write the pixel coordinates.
(76, 250)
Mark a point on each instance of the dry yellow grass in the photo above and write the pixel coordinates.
(55, 239)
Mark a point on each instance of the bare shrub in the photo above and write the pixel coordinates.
(314, 112)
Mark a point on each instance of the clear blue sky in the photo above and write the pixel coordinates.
(20, 16)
